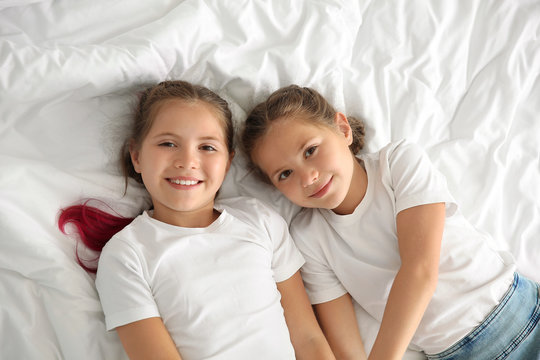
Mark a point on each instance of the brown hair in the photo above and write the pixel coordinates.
(149, 103)
(293, 101)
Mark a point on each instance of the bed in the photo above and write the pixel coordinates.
(461, 78)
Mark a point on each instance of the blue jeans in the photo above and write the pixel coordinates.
(511, 331)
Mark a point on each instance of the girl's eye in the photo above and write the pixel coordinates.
(208, 148)
(167, 144)
(310, 151)
(285, 174)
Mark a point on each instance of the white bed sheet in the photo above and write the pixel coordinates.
(460, 78)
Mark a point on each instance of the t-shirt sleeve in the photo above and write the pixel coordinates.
(320, 281)
(286, 259)
(123, 291)
(414, 179)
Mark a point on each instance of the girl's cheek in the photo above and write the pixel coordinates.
(289, 189)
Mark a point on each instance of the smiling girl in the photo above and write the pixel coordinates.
(196, 278)
(383, 229)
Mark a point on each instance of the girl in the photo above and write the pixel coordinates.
(383, 229)
(194, 277)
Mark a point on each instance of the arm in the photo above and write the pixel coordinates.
(419, 231)
(148, 339)
(306, 335)
(338, 322)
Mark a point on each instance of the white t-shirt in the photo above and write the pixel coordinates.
(214, 287)
(358, 253)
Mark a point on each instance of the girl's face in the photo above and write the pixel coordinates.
(310, 164)
(183, 161)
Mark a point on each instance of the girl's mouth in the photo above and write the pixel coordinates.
(184, 182)
(323, 190)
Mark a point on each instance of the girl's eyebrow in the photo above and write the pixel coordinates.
(166, 134)
(210, 138)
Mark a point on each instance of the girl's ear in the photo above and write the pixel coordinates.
(343, 126)
(134, 153)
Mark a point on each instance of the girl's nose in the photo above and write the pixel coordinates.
(309, 176)
(186, 159)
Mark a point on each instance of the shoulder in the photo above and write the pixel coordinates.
(393, 153)
(401, 149)
(249, 210)
(125, 241)
(403, 159)
(245, 206)
(412, 177)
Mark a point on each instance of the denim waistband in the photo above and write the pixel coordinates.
(509, 325)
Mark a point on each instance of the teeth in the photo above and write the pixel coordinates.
(183, 182)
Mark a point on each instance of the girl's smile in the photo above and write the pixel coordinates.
(322, 190)
(184, 183)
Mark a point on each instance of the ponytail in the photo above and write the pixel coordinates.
(94, 227)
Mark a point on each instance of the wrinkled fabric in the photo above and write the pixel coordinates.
(459, 78)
